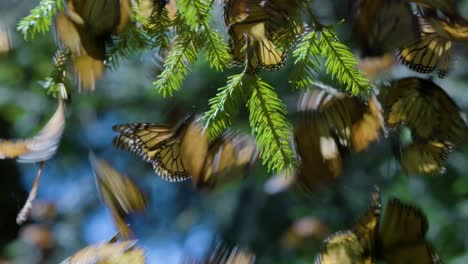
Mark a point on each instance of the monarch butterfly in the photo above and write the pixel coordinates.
(180, 152)
(120, 194)
(431, 51)
(112, 252)
(42, 146)
(400, 238)
(331, 123)
(424, 157)
(384, 26)
(84, 28)
(425, 108)
(318, 152)
(222, 161)
(256, 24)
(157, 144)
(355, 123)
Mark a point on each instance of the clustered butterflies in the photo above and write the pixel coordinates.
(423, 33)
(332, 124)
(255, 30)
(174, 157)
(399, 238)
(433, 118)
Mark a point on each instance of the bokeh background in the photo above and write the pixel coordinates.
(180, 221)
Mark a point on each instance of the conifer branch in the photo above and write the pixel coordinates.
(40, 18)
(157, 28)
(214, 48)
(341, 63)
(267, 116)
(306, 58)
(176, 65)
(225, 105)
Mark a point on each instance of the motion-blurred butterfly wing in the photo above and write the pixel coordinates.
(343, 248)
(84, 28)
(100, 17)
(425, 108)
(431, 51)
(42, 146)
(157, 144)
(318, 152)
(194, 149)
(370, 127)
(367, 227)
(249, 19)
(402, 235)
(339, 109)
(355, 123)
(120, 193)
(5, 41)
(424, 158)
(384, 26)
(374, 67)
(108, 253)
(88, 52)
(224, 255)
(229, 157)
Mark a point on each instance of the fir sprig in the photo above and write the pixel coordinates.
(157, 28)
(307, 59)
(197, 16)
(195, 12)
(214, 48)
(193, 32)
(341, 63)
(176, 66)
(269, 125)
(40, 18)
(225, 105)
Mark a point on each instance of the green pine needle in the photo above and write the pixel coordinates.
(225, 105)
(157, 28)
(306, 58)
(195, 12)
(341, 63)
(40, 18)
(214, 48)
(269, 125)
(176, 65)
